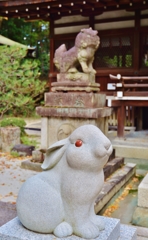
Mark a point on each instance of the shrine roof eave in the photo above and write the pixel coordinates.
(55, 9)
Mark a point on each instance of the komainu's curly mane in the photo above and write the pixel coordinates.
(86, 43)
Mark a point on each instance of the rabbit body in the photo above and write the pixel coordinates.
(61, 199)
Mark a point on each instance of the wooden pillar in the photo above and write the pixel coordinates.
(91, 22)
(136, 42)
(121, 120)
(51, 36)
(139, 118)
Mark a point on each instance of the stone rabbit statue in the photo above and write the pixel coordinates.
(61, 199)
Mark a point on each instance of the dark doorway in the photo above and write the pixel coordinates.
(145, 118)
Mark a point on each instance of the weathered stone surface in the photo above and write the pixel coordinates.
(75, 84)
(23, 149)
(37, 156)
(77, 100)
(7, 212)
(114, 184)
(76, 77)
(15, 230)
(74, 112)
(112, 166)
(131, 151)
(29, 164)
(128, 232)
(10, 136)
(75, 88)
(112, 156)
(56, 128)
(58, 123)
(72, 179)
(140, 217)
(82, 54)
(143, 193)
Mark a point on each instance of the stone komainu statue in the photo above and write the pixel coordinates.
(86, 43)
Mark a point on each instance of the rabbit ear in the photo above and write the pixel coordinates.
(54, 153)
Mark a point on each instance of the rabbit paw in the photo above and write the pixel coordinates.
(63, 230)
(88, 230)
(99, 222)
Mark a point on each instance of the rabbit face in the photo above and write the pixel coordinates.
(89, 149)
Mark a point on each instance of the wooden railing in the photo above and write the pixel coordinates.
(128, 93)
(130, 86)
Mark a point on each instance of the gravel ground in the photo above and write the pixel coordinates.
(11, 179)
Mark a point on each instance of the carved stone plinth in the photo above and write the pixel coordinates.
(72, 86)
(59, 122)
(75, 100)
(78, 77)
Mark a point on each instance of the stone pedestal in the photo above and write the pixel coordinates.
(64, 112)
(14, 230)
(75, 99)
(140, 216)
(143, 193)
(10, 136)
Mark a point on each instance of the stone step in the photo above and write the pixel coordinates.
(140, 216)
(14, 230)
(131, 149)
(112, 166)
(113, 184)
(112, 156)
(127, 232)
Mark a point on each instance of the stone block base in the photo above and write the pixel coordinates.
(140, 217)
(10, 136)
(143, 193)
(75, 99)
(54, 129)
(59, 122)
(14, 230)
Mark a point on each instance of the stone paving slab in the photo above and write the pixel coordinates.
(12, 176)
(7, 212)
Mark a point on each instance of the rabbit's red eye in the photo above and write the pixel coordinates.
(78, 143)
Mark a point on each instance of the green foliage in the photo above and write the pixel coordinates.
(117, 61)
(34, 34)
(133, 190)
(20, 87)
(14, 154)
(140, 177)
(29, 141)
(17, 122)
